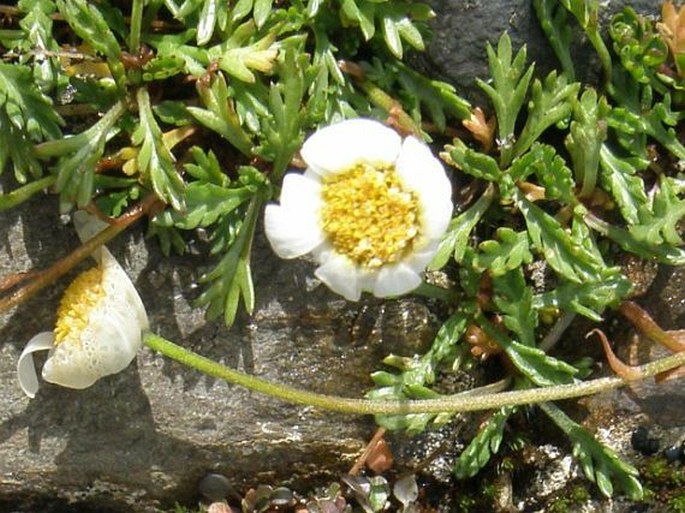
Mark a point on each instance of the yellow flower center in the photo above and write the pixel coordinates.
(369, 215)
(81, 296)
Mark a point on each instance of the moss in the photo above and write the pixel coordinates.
(578, 494)
(663, 483)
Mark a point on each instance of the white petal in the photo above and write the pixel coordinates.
(26, 370)
(341, 276)
(419, 260)
(290, 234)
(88, 226)
(302, 194)
(423, 173)
(394, 280)
(119, 290)
(338, 147)
(104, 347)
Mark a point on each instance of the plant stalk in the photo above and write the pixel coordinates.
(472, 400)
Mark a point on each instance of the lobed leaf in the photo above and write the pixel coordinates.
(550, 103)
(588, 130)
(538, 367)
(455, 240)
(566, 255)
(510, 80)
(509, 252)
(485, 444)
(599, 463)
(155, 161)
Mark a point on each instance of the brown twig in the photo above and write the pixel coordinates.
(64, 265)
(361, 461)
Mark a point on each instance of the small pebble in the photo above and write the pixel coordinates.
(673, 453)
(642, 442)
(214, 487)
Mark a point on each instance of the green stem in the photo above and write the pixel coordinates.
(136, 25)
(465, 401)
(386, 102)
(17, 196)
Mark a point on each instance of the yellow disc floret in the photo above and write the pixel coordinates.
(81, 296)
(368, 215)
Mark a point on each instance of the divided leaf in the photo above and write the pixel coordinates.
(510, 80)
(599, 463)
(155, 161)
(486, 443)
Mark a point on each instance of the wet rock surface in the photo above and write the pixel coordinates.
(147, 437)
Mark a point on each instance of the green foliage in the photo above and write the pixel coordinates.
(546, 208)
(481, 448)
(599, 463)
(26, 116)
(510, 80)
(416, 373)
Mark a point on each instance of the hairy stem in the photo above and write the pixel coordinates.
(471, 400)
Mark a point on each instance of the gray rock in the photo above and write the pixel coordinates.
(463, 28)
(150, 433)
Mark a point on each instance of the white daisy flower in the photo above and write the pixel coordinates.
(371, 208)
(99, 325)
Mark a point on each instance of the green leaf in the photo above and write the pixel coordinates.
(207, 202)
(76, 169)
(515, 300)
(510, 80)
(659, 224)
(599, 463)
(640, 47)
(551, 102)
(240, 56)
(282, 130)
(231, 279)
(664, 253)
(207, 21)
(90, 25)
(261, 12)
(588, 299)
(39, 41)
(509, 252)
(588, 130)
(418, 372)
(455, 240)
(619, 177)
(486, 443)
(16, 148)
(563, 253)
(155, 161)
(541, 369)
(206, 168)
(550, 169)
(472, 162)
(219, 114)
(29, 110)
(554, 22)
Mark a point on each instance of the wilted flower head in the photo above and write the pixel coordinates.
(370, 207)
(99, 325)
